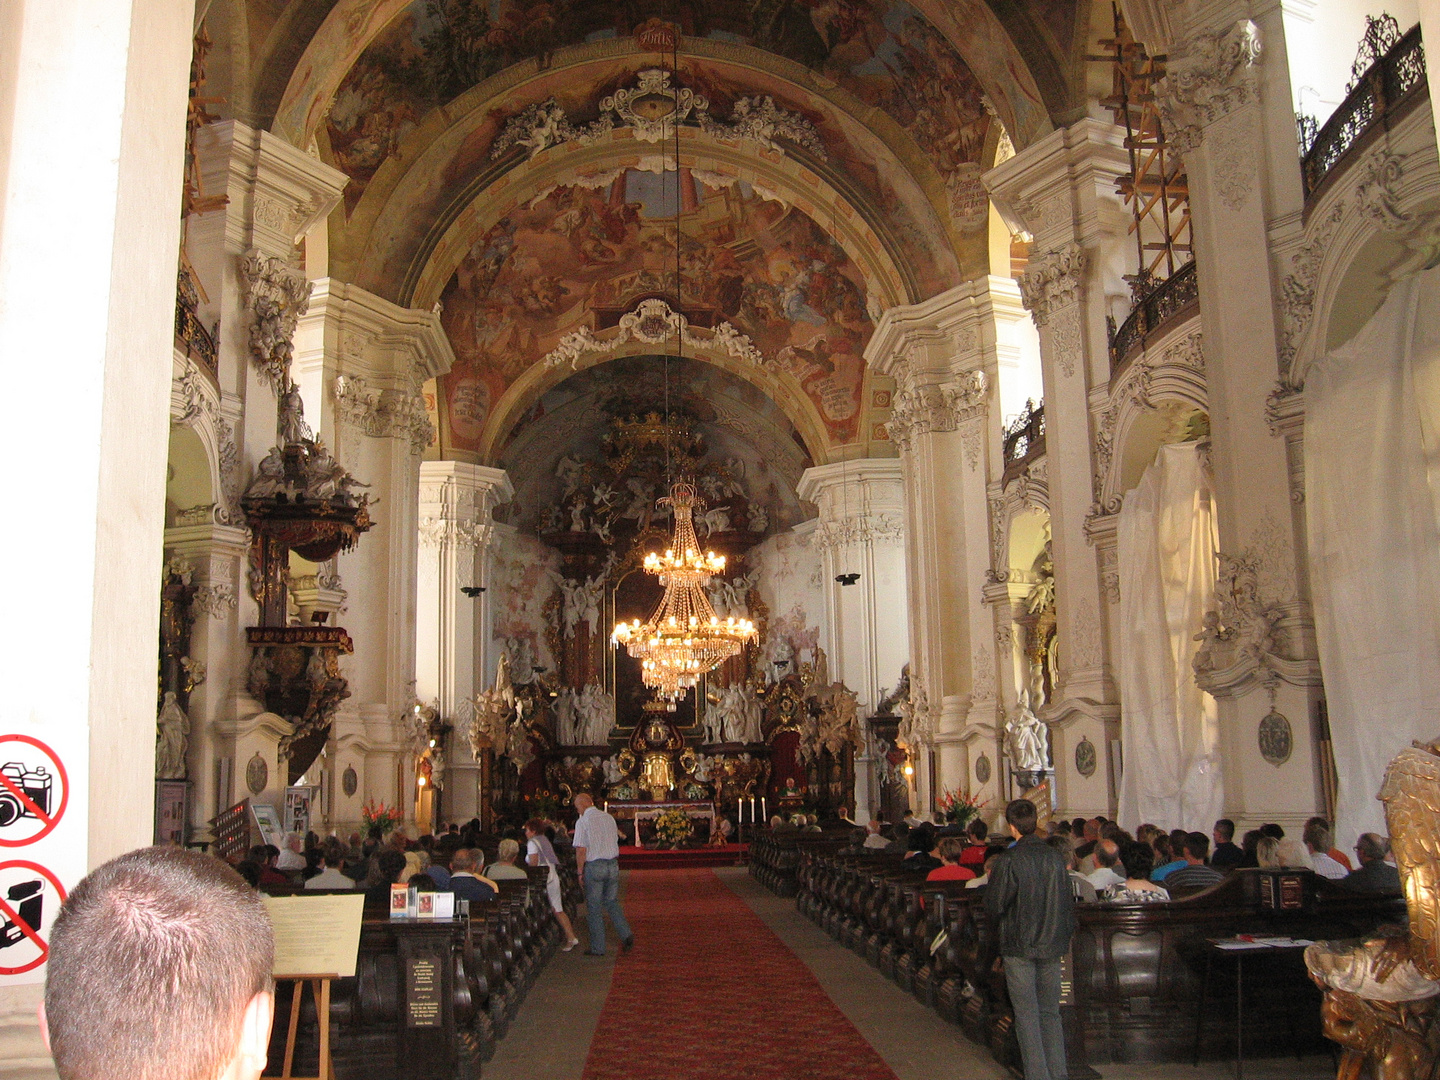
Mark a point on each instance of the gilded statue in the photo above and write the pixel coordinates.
(1381, 997)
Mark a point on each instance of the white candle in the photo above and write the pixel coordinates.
(762, 808)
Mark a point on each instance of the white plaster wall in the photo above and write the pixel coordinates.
(792, 586)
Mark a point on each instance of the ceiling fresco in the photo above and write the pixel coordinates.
(745, 438)
(587, 255)
(882, 51)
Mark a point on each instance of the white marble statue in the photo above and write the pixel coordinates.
(572, 601)
(563, 710)
(737, 715)
(521, 660)
(594, 715)
(1027, 740)
(172, 730)
(591, 596)
(613, 775)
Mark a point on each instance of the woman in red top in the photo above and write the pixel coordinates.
(950, 850)
(974, 854)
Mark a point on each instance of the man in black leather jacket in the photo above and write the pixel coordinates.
(1032, 908)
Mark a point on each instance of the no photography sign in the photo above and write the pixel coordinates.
(43, 839)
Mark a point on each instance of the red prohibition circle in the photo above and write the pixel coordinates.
(50, 820)
(60, 889)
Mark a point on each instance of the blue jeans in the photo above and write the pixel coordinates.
(1034, 987)
(602, 897)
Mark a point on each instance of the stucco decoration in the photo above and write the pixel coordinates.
(653, 322)
(279, 294)
(1253, 636)
(661, 107)
(1207, 77)
(1052, 281)
(919, 410)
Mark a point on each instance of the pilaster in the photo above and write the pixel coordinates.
(1062, 191)
(1226, 104)
(455, 535)
(360, 362)
(862, 531)
(942, 354)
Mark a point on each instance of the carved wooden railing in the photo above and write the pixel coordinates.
(1387, 88)
(1170, 297)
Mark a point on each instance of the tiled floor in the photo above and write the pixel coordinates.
(552, 1035)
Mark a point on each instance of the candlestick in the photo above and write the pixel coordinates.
(763, 812)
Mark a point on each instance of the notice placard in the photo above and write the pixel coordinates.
(422, 991)
(316, 935)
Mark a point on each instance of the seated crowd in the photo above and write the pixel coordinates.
(1107, 864)
(455, 861)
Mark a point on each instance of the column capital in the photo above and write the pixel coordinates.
(373, 357)
(1053, 280)
(1062, 188)
(276, 193)
(1209, 74)
(456, 501)
(937, 337)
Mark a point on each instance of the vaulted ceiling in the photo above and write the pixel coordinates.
(515, 161)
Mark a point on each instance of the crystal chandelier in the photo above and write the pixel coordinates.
(684, 638)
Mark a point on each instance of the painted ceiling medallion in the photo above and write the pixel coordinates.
(1275, 738)
(651, 109)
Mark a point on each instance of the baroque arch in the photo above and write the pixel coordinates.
(968, 27)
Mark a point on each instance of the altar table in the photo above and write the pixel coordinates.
(649, 811)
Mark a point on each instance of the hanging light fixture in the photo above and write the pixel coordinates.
(684, 638)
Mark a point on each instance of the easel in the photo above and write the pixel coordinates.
(320, 988)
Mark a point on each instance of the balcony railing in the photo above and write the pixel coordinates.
(190, 332)
(1026, 435)
(1387, 88)
(1170, 297)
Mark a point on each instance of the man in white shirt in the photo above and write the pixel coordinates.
(331, 877)
(1317, 842)
(293, 855)
(1107, 854)
(873, 839)
(597, 859)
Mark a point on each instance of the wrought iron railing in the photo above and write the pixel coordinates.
(1385, 88)
(1174, 294)
(1025, 435)
(198, 342)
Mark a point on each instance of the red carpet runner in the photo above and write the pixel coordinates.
(711, 993)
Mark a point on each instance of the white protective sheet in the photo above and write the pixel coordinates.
(1169, 731)
(1372, 435)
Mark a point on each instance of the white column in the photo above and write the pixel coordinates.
(451, 630)
(1226, 106)
(89, 232)
(942, 355)
(361, 362)
(1062, 191)
(861, 531)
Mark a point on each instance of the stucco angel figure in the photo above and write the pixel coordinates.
(1027, 740)
(1382, 998)
(172, 730)
(613, 773)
